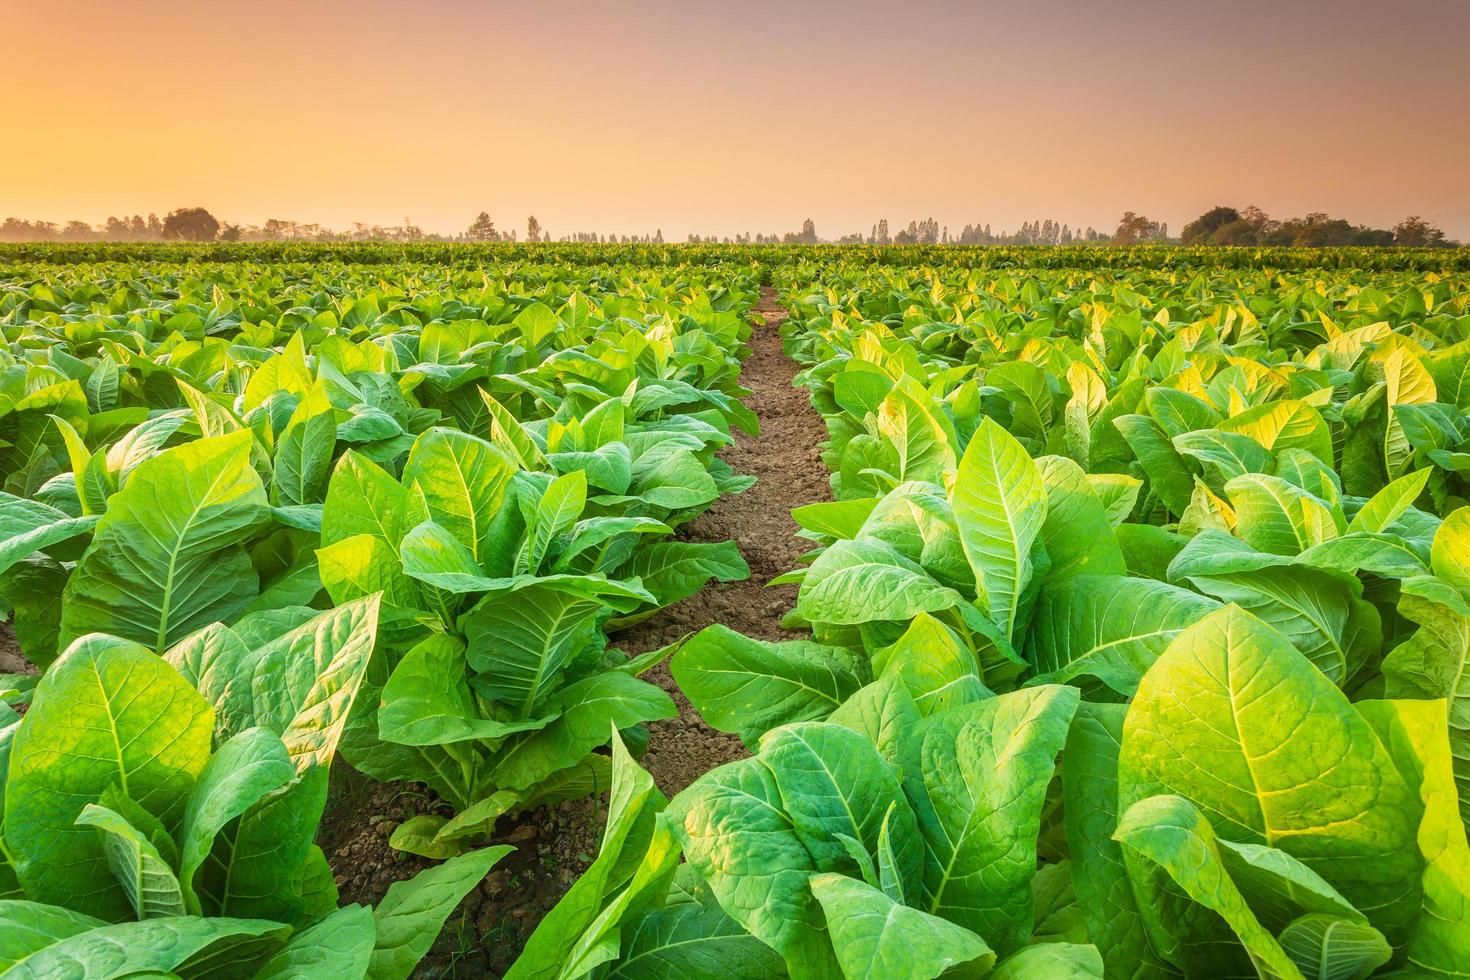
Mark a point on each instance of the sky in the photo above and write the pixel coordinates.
(726, 117)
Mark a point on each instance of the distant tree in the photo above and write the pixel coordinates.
(1200, 230)
(1262, 222)
(1373, 237)
(190, 225)
(276, 229)
(1135, 228)
(807, 235)
(77, 231)
(482, 229)
(1415, 232)
(533, 229)
(230, 233)
(1237, 232)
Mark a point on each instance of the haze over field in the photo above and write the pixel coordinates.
(721, 118)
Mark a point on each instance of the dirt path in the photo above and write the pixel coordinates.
(788, 469)
(555, 844)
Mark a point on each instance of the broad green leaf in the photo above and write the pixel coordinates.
(1077, 533)
(1413, 732)
(1178, 412)
(257, 863)
(300, 684)
(304, 451)
(1117, 492)
(674, 480)
(984, 769)
(1170, 833)
(1276, 517)
(150, 884)
(1406, 382)
(32, 926)
(1434, 662)
(427, 700)
(1278, 887)
(520, 641)
(632, 805)
(582, 712)
(155, 947)
(1318, 610)
(839, 519)
(341, 943)
(409, 917)
(1114, 920)
(1450, 555)
(363, 498)
(692, 941)
(866, 580)
(28, 526)
(878, 938)
(1223, 455)
(1385, 555)
(167, 557)
(463, 480)
(108, 713)
(1168, 474)
(1290, 424)
(923, 439)
(364, 564)
(675, 570)
(1328, 948)
(1108, 627)
(935, 666)
(757, 855)
(420, 835)
(507, 433)
(1234, 719)
(246, 768)
(1389, 504)
(748, 686)
(558, 509)
(1052, 961)
(1000, 505)
(885, 713)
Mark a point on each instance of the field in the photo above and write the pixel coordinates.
(734, 611)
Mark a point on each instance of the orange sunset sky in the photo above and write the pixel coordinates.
(730, 117)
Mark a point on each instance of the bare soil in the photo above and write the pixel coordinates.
(555, 844)
(788, 469)
(12, 661)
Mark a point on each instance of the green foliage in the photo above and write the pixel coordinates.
(1224, 511)
(142, 837)
(1139, 617)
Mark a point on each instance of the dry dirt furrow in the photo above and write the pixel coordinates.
(789, 472)
(556, 843)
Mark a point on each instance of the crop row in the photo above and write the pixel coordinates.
(257, 516)
(1140, 620)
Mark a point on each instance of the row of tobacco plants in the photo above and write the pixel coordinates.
(1140, 631)
(257, 515)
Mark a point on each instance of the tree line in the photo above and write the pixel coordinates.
(1225, 225)
(1221, 225)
